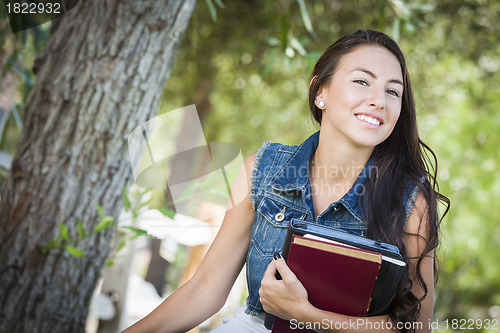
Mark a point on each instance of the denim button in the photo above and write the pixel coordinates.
(280, 216)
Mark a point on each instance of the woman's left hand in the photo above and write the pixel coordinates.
(285, 298)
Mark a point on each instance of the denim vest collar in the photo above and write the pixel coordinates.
(295, 176)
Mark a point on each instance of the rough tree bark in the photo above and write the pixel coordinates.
(101, 75)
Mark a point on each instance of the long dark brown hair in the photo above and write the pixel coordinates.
(400, 160)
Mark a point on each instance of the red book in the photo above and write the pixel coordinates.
(337, 278)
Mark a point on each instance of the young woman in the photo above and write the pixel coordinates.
(366, 171)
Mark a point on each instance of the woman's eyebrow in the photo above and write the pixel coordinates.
(375, 76)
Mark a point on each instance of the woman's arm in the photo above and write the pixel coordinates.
(207, 291)
(287, 298)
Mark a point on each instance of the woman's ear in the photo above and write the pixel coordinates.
(314, 78)
(320, 98)
(320, 89)
(321, 93)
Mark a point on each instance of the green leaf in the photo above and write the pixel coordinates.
(120, 245)
(110, 263)
(305, 17)
(126, 200)
(396, 29)
(401, 9)
(285, 25)
(75, 252)
(219, 3)
(50, 245)
(106, 223)
(63, 230)
(409, 27)
(296, 45)
(99, 210)
(212, 9)
(167, 212)
(420, 7)
(273, 41)
(138, 232)
(146, 203)
(80, 228)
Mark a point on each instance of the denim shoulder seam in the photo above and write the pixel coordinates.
(253, 178)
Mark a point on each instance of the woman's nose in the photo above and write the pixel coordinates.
(376, 98)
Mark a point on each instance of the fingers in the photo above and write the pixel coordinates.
(281, 297)
(283, 269)
(278, 264)
(270, 272)
(269, 287)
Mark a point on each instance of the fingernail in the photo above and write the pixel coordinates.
(276, 256)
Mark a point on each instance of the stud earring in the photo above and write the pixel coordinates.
(320, 104)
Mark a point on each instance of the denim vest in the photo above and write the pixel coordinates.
(280, 190)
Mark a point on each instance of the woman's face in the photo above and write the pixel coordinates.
(363, 98)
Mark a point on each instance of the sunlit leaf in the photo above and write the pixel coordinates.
(137, 231)
(167, 212)
(80, 228)
(126, 199)
(106, 223)
(120, 245)
(219, 3)
(63, 231)
(298, 46)
(396, 29)
(305, 17)
(99, 210)
(75, 252)
(212, 9)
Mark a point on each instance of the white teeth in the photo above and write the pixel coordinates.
(368, 119)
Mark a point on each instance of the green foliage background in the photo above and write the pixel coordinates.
(246, 65)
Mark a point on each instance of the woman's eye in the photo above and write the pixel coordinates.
(361, 82)
(393, 92)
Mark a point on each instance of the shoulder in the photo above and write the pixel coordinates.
(418, 222)
(249, 162)
(411, 191)
(268, 152)
(421, 230)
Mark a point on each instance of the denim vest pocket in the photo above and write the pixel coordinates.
(274, 216)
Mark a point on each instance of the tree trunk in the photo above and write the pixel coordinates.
(101, 75)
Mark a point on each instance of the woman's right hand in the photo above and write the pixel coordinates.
(284, 298)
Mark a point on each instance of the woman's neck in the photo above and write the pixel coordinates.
(337, 161)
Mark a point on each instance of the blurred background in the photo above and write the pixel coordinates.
(246, 66)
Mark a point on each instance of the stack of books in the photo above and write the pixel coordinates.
(341, 272)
